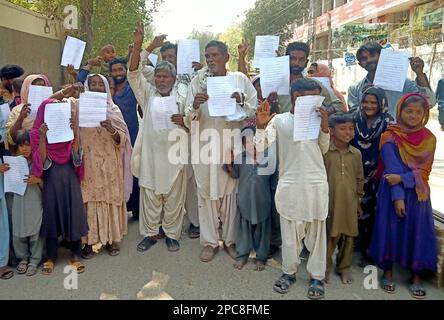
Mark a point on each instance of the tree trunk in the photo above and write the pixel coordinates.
(86, 32)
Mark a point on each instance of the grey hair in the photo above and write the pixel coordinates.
(166, 66)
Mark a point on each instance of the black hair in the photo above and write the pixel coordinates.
(370, 47)
(303, 85)
(168, 46)
(340, 118)
(218, 44)
(117, 61)
(414, 99)
(17, 84)
(23, 137)
(11, 71)
(297, 46)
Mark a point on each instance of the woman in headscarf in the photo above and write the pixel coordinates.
(404, 229)
(19, 116)
(319, 70)
(372, 120)
(61, 167)
(107, 183)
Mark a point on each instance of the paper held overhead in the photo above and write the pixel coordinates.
(73, 52)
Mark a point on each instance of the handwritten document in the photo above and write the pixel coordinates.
(14, 177)
(265, 47)
(73, 52)
(4, 110)
(275, 75)
(92, 109)
(220, 90)
(325, 82)
(188, 51)
(307, 121)
(392, 69)
(162, 108)
(57, 118)
(37, 94)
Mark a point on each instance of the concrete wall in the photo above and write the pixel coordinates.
(24, 42)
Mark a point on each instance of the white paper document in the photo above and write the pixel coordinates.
(153, 58)
(392, 69)
(73, 52)
(220, 90)
(15, 176)
(265, 47)
(307, 121)
(275, 76)
(162, 108)
(92, 109)
(188, 51)
(57, 118)
(325, 82)
(37, 94)
(4, 110)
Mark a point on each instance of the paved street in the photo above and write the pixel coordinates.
(125, 275)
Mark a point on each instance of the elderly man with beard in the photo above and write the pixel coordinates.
(162, 183)
(368, 58)
(216, 190)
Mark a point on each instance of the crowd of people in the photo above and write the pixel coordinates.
(363, 183)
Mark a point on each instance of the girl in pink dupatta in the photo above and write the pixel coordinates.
(60, 166)
(108, 180)
(323, 71)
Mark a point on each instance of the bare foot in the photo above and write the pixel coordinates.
(346, 277)
(259, 265)
(239, 264)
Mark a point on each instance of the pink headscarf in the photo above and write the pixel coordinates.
(324, 71)
(113, 113)
(59, 153)
(24, 92)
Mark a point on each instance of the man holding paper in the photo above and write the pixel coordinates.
(298, 53)
(216, 190)
(302, 191)
(162, 182)
(368, 58)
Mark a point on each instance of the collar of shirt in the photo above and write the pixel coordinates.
(333, 148)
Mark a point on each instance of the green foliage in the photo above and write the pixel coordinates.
(232, 37)
(204, 37)
(273, 17)
(112, 21)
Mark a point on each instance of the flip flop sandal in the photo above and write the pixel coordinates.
(6, 273)
(172, 245)
(388, 286)
(32, 270)
(78, 266)
(193, 232)
(87, 252)
(22, 267)
(316, 286)
(417, 291)
(145, 244)
(48, 268)
(282, 285)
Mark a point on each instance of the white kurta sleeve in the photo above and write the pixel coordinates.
(250, 104)
(141, 88)
(324, 141)
(192, 114)
(265, 137)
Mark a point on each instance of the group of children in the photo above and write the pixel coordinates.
(363, 182)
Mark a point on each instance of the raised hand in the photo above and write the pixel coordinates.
(26, 110)
(4, 167)
(324, 119)
(139, 34)
(43, 130)
(242, 48)
(157, 42)
(177, 119)
(417, 65)
(263, 116)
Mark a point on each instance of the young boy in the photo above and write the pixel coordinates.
(302, 192)
(346, 186)
(27, 213)
(255, 172)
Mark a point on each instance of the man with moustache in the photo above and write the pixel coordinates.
(299, 52)
(368, 57)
